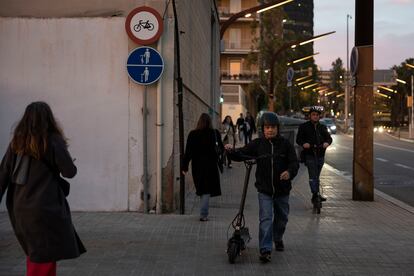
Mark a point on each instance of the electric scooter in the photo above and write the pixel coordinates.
(237, 243)
(317, 202)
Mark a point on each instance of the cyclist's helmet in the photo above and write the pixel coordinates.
(316, 108)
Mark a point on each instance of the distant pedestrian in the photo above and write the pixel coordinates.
(276, 167)
(202, 148)
(31, 172)
(252, 126)
(241, 129)
(229, 137)
(314, 138)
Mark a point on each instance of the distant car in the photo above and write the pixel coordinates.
(330, 124)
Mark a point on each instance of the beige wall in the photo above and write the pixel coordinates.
(77, 64)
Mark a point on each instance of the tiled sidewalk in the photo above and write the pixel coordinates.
(347, 238)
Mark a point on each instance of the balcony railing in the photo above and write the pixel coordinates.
(239, 45)
(246, 75)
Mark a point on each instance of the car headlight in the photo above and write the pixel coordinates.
(332, 127)
(375, 129)
(381, 129)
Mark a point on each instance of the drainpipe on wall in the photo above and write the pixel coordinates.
(159, 125)
(180, 110)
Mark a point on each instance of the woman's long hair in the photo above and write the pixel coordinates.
(204, 122)
(32, 132)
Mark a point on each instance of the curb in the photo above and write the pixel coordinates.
(400, 139)
(389, 198)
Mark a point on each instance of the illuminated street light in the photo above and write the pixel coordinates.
(401, 81)
(312, 39)
(410, 65)
(273, 61)
(307, 81)
(245, 13)
(274, 6)
(302, 78)
(302, 59)
(388, 89)
(311, 85)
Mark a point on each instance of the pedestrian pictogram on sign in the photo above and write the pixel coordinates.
(144, 25)
(145, 65)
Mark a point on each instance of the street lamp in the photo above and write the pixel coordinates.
(248, 12)
(411, 103)
(302, 59)
(285, 46)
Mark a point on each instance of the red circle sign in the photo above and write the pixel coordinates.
(144, 25)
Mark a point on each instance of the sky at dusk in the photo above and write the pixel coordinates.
(393, 31)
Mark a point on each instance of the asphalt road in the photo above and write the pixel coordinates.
(393, 164)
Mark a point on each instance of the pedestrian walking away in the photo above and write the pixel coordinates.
(202, 149)
(31, 173)
(273, 181)
(241, 129)
(252, 126)
(314, 138)
(229, 136)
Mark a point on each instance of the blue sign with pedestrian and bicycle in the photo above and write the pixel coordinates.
(145, 65)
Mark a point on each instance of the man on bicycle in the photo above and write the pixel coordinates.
(314, 138)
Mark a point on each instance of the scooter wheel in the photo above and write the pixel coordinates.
(232, 251)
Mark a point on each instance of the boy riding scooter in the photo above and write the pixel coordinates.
(273, 181)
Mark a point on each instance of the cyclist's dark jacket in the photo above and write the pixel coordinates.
(315, 135)
(284, 158)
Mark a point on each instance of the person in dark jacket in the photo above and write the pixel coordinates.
(202, 148)
(252, 126)
(38, 210)
(314, 138)
(277, 165)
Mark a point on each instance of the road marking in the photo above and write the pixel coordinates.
(391, 147)
(380, 159)
(403, 166)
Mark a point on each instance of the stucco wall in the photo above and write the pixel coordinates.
(77, 66)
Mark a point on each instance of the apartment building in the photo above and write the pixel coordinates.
(236, 72)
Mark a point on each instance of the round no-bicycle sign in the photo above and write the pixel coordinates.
(145, 65)
(144, 25)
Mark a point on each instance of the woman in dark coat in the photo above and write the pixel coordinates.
(201, 150)
(31, 171)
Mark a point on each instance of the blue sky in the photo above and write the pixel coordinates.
(393, 31)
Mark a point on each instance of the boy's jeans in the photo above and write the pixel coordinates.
(204, 200)
(314, 165)
(273, 216)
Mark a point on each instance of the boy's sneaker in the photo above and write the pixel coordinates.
(265, 256)
(322, 198)
(204, 219)
(279, 246)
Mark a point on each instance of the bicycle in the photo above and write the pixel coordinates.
(143, 24)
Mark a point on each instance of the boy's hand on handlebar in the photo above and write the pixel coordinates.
(284, 175)
(325, 145)
(228, 147)
(306, 145)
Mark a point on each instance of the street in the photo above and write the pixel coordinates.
(393, 164)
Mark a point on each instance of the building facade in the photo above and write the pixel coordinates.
(236, 71)
(72, 54)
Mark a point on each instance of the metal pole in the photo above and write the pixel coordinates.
(412, 107)
(347, 73)
(144, 132)
(290, 98)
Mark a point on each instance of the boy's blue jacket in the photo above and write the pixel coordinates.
(284, 158)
